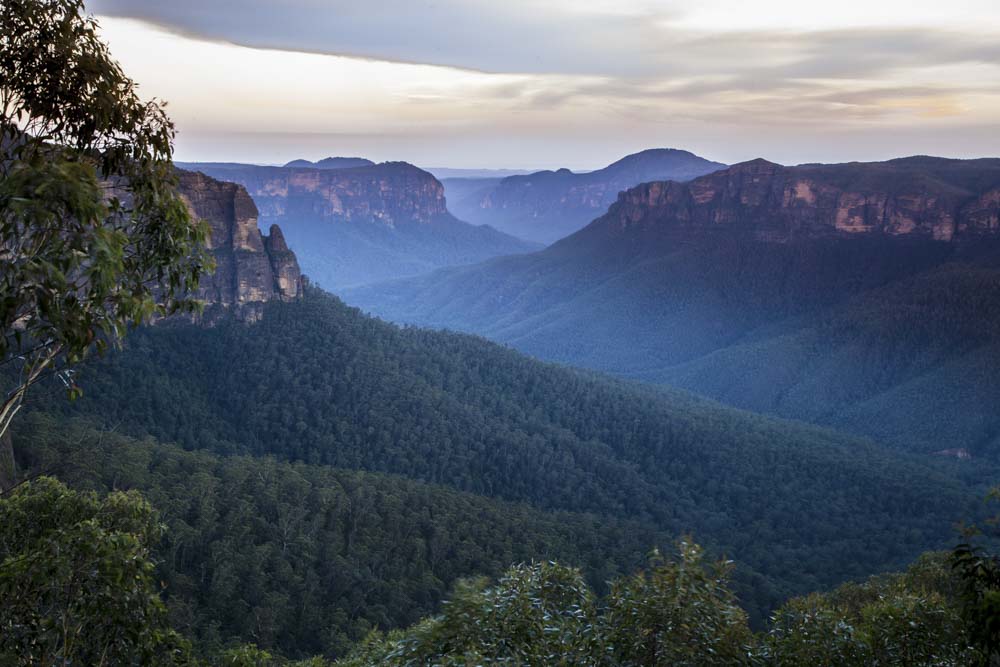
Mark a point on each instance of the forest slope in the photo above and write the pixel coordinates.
(308, 559)
(318, 382)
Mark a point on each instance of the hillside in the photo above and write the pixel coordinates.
(307, 558)
(357, 225)
(317, 382)
(547, 205)
(863, 296)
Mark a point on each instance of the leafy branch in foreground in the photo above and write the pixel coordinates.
(979, 572)
(680, 612)
(93, 236)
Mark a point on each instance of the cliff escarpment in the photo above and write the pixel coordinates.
(251, 269)
(922, 198)
(391, 193)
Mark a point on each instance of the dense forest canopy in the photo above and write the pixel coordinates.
(317, 382)
(85, 558)
(307, 558)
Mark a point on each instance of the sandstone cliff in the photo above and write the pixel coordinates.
(251, 268)
(929, 198)
(390, 194)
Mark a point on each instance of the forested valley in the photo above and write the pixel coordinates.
(886, 333)
(456, 433)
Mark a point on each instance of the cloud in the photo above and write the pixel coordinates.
(484, 35)
(624, 38)
(454, 71)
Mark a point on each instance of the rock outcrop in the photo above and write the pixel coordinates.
(251, 269)
(284, 265)
(929, 198)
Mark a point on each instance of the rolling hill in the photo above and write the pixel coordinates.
(306, 558)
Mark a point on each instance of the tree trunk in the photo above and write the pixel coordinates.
(8, 468)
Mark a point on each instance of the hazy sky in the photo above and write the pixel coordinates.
(577, 83)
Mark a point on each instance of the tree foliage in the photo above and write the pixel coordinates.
(536, 614)
(76, 580)
(979, 573)
(93, 236)
(680, 612)
(912, 618)
(301, 559)
(305, 559)
(677, 613)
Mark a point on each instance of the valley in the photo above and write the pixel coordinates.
(824, 293)
(316, 382)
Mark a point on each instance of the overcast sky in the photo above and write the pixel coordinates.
(577, 83)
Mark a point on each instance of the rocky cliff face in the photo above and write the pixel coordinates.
(391, 193)
(251, 268)
(929, 198)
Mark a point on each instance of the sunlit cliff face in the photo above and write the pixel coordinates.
(535, 84)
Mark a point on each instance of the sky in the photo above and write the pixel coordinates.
(565, 83)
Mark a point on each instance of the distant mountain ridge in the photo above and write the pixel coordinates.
(357, 225)
(864, 296)
(548, 205)
(332, 163)
(442, 173)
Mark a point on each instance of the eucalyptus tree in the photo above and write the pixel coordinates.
(93, 235)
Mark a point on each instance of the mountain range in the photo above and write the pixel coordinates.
(864, 296)
(548, 205)
(442, 173)
(353, 224)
